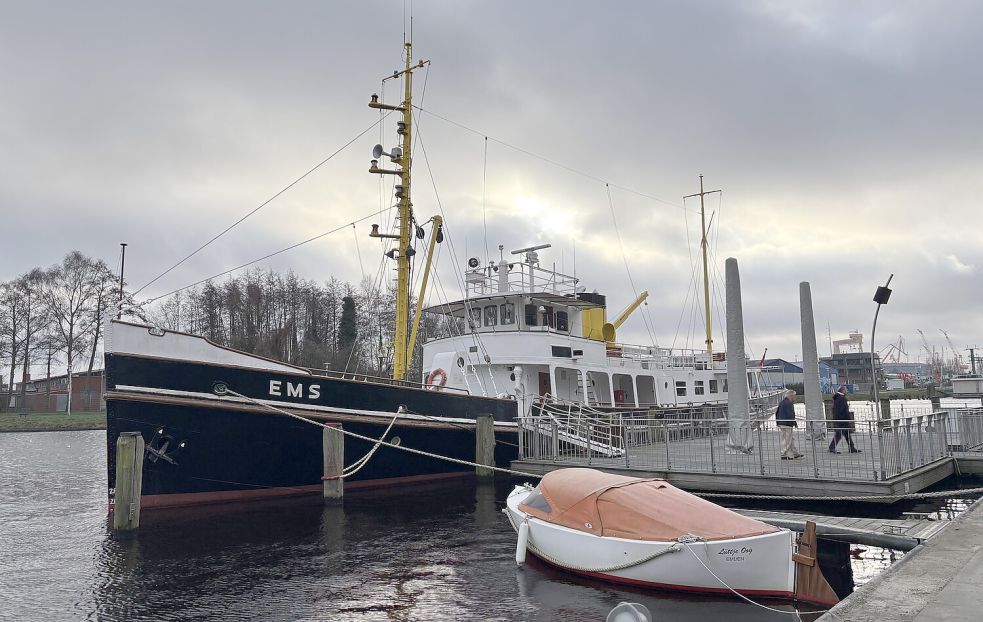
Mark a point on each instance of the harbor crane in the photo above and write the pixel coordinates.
(934, 365)
(893, 351)
(960, 366)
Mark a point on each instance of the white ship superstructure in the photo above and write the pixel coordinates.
(529, 332)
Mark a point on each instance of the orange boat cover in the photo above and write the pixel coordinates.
(619, 506)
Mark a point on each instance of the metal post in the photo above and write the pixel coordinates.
(921, 444)
(761, 453)
(911, 450)
(522, 433)
(665, 434)
(881, 296)
(880, 449)
(713, 455)
(556, 442)
(624, 440)
(589, 436)
(815, 458)
(122, 265)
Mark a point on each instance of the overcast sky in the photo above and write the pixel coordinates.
(846, 137)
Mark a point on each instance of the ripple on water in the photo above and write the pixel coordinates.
(429, 553)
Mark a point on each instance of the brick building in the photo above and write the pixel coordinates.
(51, 394)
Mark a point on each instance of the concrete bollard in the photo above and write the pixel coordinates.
(129, 481)
(333, 445)
(484, 445)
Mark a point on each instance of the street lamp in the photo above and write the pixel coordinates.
(881, 296)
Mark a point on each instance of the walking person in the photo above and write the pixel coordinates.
(842, 422)
(785, 417)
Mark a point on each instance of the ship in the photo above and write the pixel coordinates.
(221, 425)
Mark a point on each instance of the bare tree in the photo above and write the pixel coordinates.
(36, 322)
(70, 291)
(11, 325)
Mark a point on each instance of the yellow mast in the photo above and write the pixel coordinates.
(404, 251)
(706, 271)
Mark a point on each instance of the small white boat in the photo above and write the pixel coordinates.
(648, 533)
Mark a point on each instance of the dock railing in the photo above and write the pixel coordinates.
(697, 442)
(966, 432)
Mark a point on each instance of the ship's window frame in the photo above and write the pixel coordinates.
(532, 312)
(507, 313)
(491, 315)
(475, 317)
(562, 321)
(714, 388)
(562, 351)
(725, 386)
(699, 388)
(681, 388)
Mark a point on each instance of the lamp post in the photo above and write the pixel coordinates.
(881, 296)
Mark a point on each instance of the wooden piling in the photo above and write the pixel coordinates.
(484, 445)
(333, 446)
(129, 481)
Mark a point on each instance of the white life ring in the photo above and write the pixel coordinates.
(437, 378)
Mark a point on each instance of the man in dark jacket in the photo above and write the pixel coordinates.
(842, 421)
(785, 417)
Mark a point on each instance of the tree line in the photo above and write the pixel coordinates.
(55, 315)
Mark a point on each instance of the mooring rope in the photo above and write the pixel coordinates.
(722, 495)
(369, 439)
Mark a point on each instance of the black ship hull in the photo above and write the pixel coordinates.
(205, 445)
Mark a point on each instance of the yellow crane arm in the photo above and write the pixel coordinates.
(610, 328)
(629, 310)
(437, 224)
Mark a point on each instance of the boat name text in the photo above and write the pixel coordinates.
(277, 389)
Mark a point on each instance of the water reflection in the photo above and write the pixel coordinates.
(426, 553)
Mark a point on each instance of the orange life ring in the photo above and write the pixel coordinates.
(437, 378)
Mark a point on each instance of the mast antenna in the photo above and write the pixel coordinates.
(404, 251)
(706, 272)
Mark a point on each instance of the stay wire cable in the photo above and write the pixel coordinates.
(260, 206)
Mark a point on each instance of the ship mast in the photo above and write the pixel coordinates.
(706, 271)
(402, 157)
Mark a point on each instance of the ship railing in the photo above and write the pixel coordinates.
(523, 277)
(704, 440)
(356, 377)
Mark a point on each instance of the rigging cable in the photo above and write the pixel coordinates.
(260, 206)
(467, 303)
(549, 161)
(484, 178)
(267, 256)
(624, 257)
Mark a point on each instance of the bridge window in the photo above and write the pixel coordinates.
(491, 315)
(713, 387)
(508, 313)
(698, 388)
(562, 351)
(475, 317)
(680, 388)
(531, 315)
(562, 321)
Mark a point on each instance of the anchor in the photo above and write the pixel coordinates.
(157, 448)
